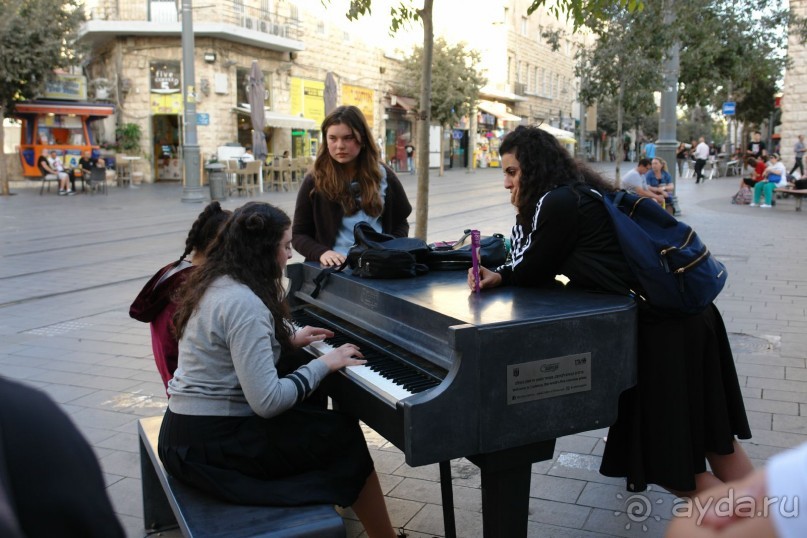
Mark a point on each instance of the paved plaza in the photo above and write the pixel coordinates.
(72, 265)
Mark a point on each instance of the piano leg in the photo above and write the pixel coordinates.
(506, 488)
(448, 499)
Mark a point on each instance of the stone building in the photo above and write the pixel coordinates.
(794, 95)
(306, 51)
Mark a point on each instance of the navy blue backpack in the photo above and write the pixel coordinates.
(676, 270)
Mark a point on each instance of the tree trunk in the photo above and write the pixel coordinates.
(621, 148)
(422, 204)
(4, 190)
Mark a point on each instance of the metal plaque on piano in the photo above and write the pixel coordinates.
(548, 378)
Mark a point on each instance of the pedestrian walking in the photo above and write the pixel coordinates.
(798, 149)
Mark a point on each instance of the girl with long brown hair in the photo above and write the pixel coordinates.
(347, 185)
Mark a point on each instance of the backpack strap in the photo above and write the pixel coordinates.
(322, 278)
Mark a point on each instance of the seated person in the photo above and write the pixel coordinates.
(247, 157)
(635, 181)
(86, 163)
(659, 179)
(757, 166)
(51, 165)
(772, 175)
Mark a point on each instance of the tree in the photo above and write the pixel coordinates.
(36, 37)
(455, 82)
(401, 14)
(622, 67)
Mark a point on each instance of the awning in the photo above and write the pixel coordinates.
(283, 121)
(62, 107)
(406, 103)
(497, 109)
(563, 136)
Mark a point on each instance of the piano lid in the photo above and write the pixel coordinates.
(416, 313)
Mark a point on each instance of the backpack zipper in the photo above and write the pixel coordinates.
(688, 239)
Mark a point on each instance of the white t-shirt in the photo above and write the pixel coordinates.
(702, 151)
(787, 483)
(634, 180)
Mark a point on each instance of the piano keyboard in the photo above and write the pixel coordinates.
(390, 377)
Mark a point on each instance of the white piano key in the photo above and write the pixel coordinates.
(369, 379)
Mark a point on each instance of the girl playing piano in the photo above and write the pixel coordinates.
(234, 428)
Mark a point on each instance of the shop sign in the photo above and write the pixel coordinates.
(308, 99)
(68, 87)
(166, 104)
(165, 77)
(202, 118)
(361, 98)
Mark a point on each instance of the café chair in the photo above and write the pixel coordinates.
(97, 179)
(46, 179)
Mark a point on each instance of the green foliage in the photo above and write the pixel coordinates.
(400, 15)
(128, 137)
(731, 51)
(455, 80)
(586, 12)
(36, 37)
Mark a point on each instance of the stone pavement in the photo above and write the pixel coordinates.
(71, 266)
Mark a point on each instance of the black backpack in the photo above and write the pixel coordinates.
(379, 255)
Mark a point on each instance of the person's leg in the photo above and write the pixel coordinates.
(372, 510)
(64, 181)
(757, 192)
(729, 467)
(769, 186)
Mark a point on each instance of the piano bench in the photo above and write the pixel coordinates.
(168, 503)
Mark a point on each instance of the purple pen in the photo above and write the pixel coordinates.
(475, 248)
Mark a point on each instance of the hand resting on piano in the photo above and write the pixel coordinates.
(336, 358)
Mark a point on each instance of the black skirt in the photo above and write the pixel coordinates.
(306, 455)
(687, 402)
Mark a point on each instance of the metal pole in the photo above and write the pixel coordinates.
(192, 191)
(667, 143)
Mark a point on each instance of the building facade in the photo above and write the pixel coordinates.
(312, 58)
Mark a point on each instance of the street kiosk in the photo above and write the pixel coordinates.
(57, 125)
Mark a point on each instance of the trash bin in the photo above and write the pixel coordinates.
(217, 180)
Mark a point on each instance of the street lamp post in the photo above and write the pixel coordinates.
(192, 190)
(668, 118)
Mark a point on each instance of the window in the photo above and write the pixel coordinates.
(543, 82)
(241, 91)
(518, 71)
(321, 27)
(509, 68)
(524, 26)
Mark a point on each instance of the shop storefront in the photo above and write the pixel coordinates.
(61, 125)
(398, 133)
(165, 95)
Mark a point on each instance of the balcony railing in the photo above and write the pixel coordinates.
(232, 12)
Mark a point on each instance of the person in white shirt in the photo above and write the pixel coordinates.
(701, 155)
(247, 157)
(635, 181)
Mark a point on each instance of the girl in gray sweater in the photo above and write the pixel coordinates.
(234, 427)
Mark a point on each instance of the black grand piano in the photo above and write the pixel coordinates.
(494, 377)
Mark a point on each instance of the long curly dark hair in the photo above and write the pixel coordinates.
(544, 164)
(332, 180)
(246, 249)
(204, 229)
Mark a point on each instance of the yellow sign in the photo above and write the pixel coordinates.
(361, 98)
(308, 99)
(166, 103)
